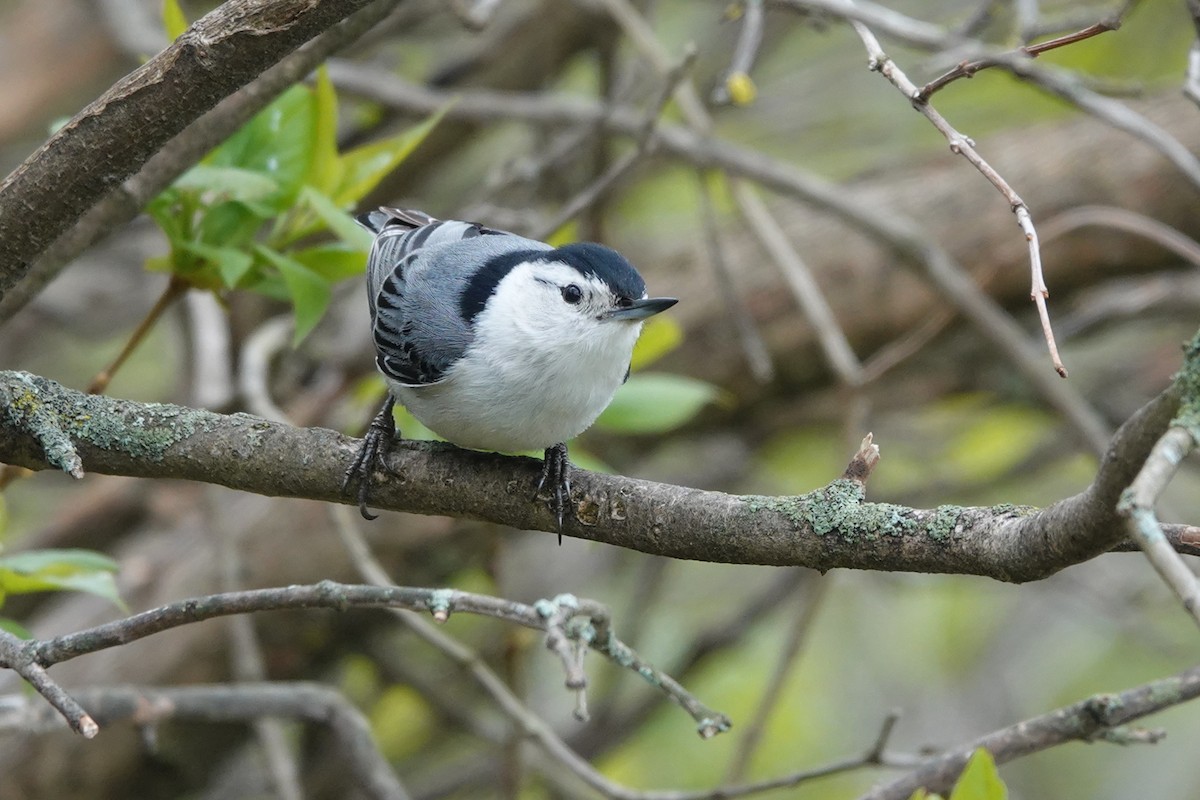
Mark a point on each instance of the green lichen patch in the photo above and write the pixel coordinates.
(1188, 379)
(838, 509)
(945, 520)
(59, 418)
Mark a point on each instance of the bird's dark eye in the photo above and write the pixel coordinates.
(572, 293)
(624, 302)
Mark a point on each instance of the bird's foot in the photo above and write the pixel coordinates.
(556, 480)
(377, 442)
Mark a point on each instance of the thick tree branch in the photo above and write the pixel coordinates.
(47, 425)
(116, 134)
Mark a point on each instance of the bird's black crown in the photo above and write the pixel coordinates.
(605, 263)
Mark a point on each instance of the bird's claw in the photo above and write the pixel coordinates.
(372, 454)
(556, 478)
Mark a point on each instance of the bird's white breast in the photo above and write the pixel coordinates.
(528, 380)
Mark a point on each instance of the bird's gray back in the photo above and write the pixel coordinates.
(416, 279)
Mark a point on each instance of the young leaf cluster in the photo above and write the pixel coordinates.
(256, 212)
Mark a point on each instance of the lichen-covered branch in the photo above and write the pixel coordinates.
(566, 618)
(44, 424)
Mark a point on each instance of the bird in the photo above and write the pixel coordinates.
(494, 341)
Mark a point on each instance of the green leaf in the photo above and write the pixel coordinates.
(51, 570)
(231, 224)
(174, 21)
(231, 264)
(234, 183)
(309, 292)
(337, 220)
(15, 628)
(660, 335)
(333, 262)
(655, 402)
(325, 171)
(979, 779)
(278, 143)
(364, 167)
(165, 210)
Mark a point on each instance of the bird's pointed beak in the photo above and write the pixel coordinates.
(641, 309)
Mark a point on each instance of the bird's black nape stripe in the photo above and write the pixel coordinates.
(483, 283)
(605, 263)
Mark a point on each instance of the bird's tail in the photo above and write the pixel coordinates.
(375, 221)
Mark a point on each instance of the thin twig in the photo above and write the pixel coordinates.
(962, 145)
(176, 288)
(909, 30)
(1123, 219)
(834, 343)
(1137, 506)
(19, 656)
(967, 69)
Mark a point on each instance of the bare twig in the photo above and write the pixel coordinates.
(176, 288)
(909, 30)
(962, 145)
(1137, 506)
(967, 69)
(1126, 220)
(18, 656)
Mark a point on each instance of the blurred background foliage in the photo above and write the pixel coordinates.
(268, 212)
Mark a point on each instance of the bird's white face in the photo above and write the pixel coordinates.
(556, 301)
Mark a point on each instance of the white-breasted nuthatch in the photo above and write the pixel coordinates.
(495, 341)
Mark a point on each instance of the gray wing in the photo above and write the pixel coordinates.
(416, 272)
